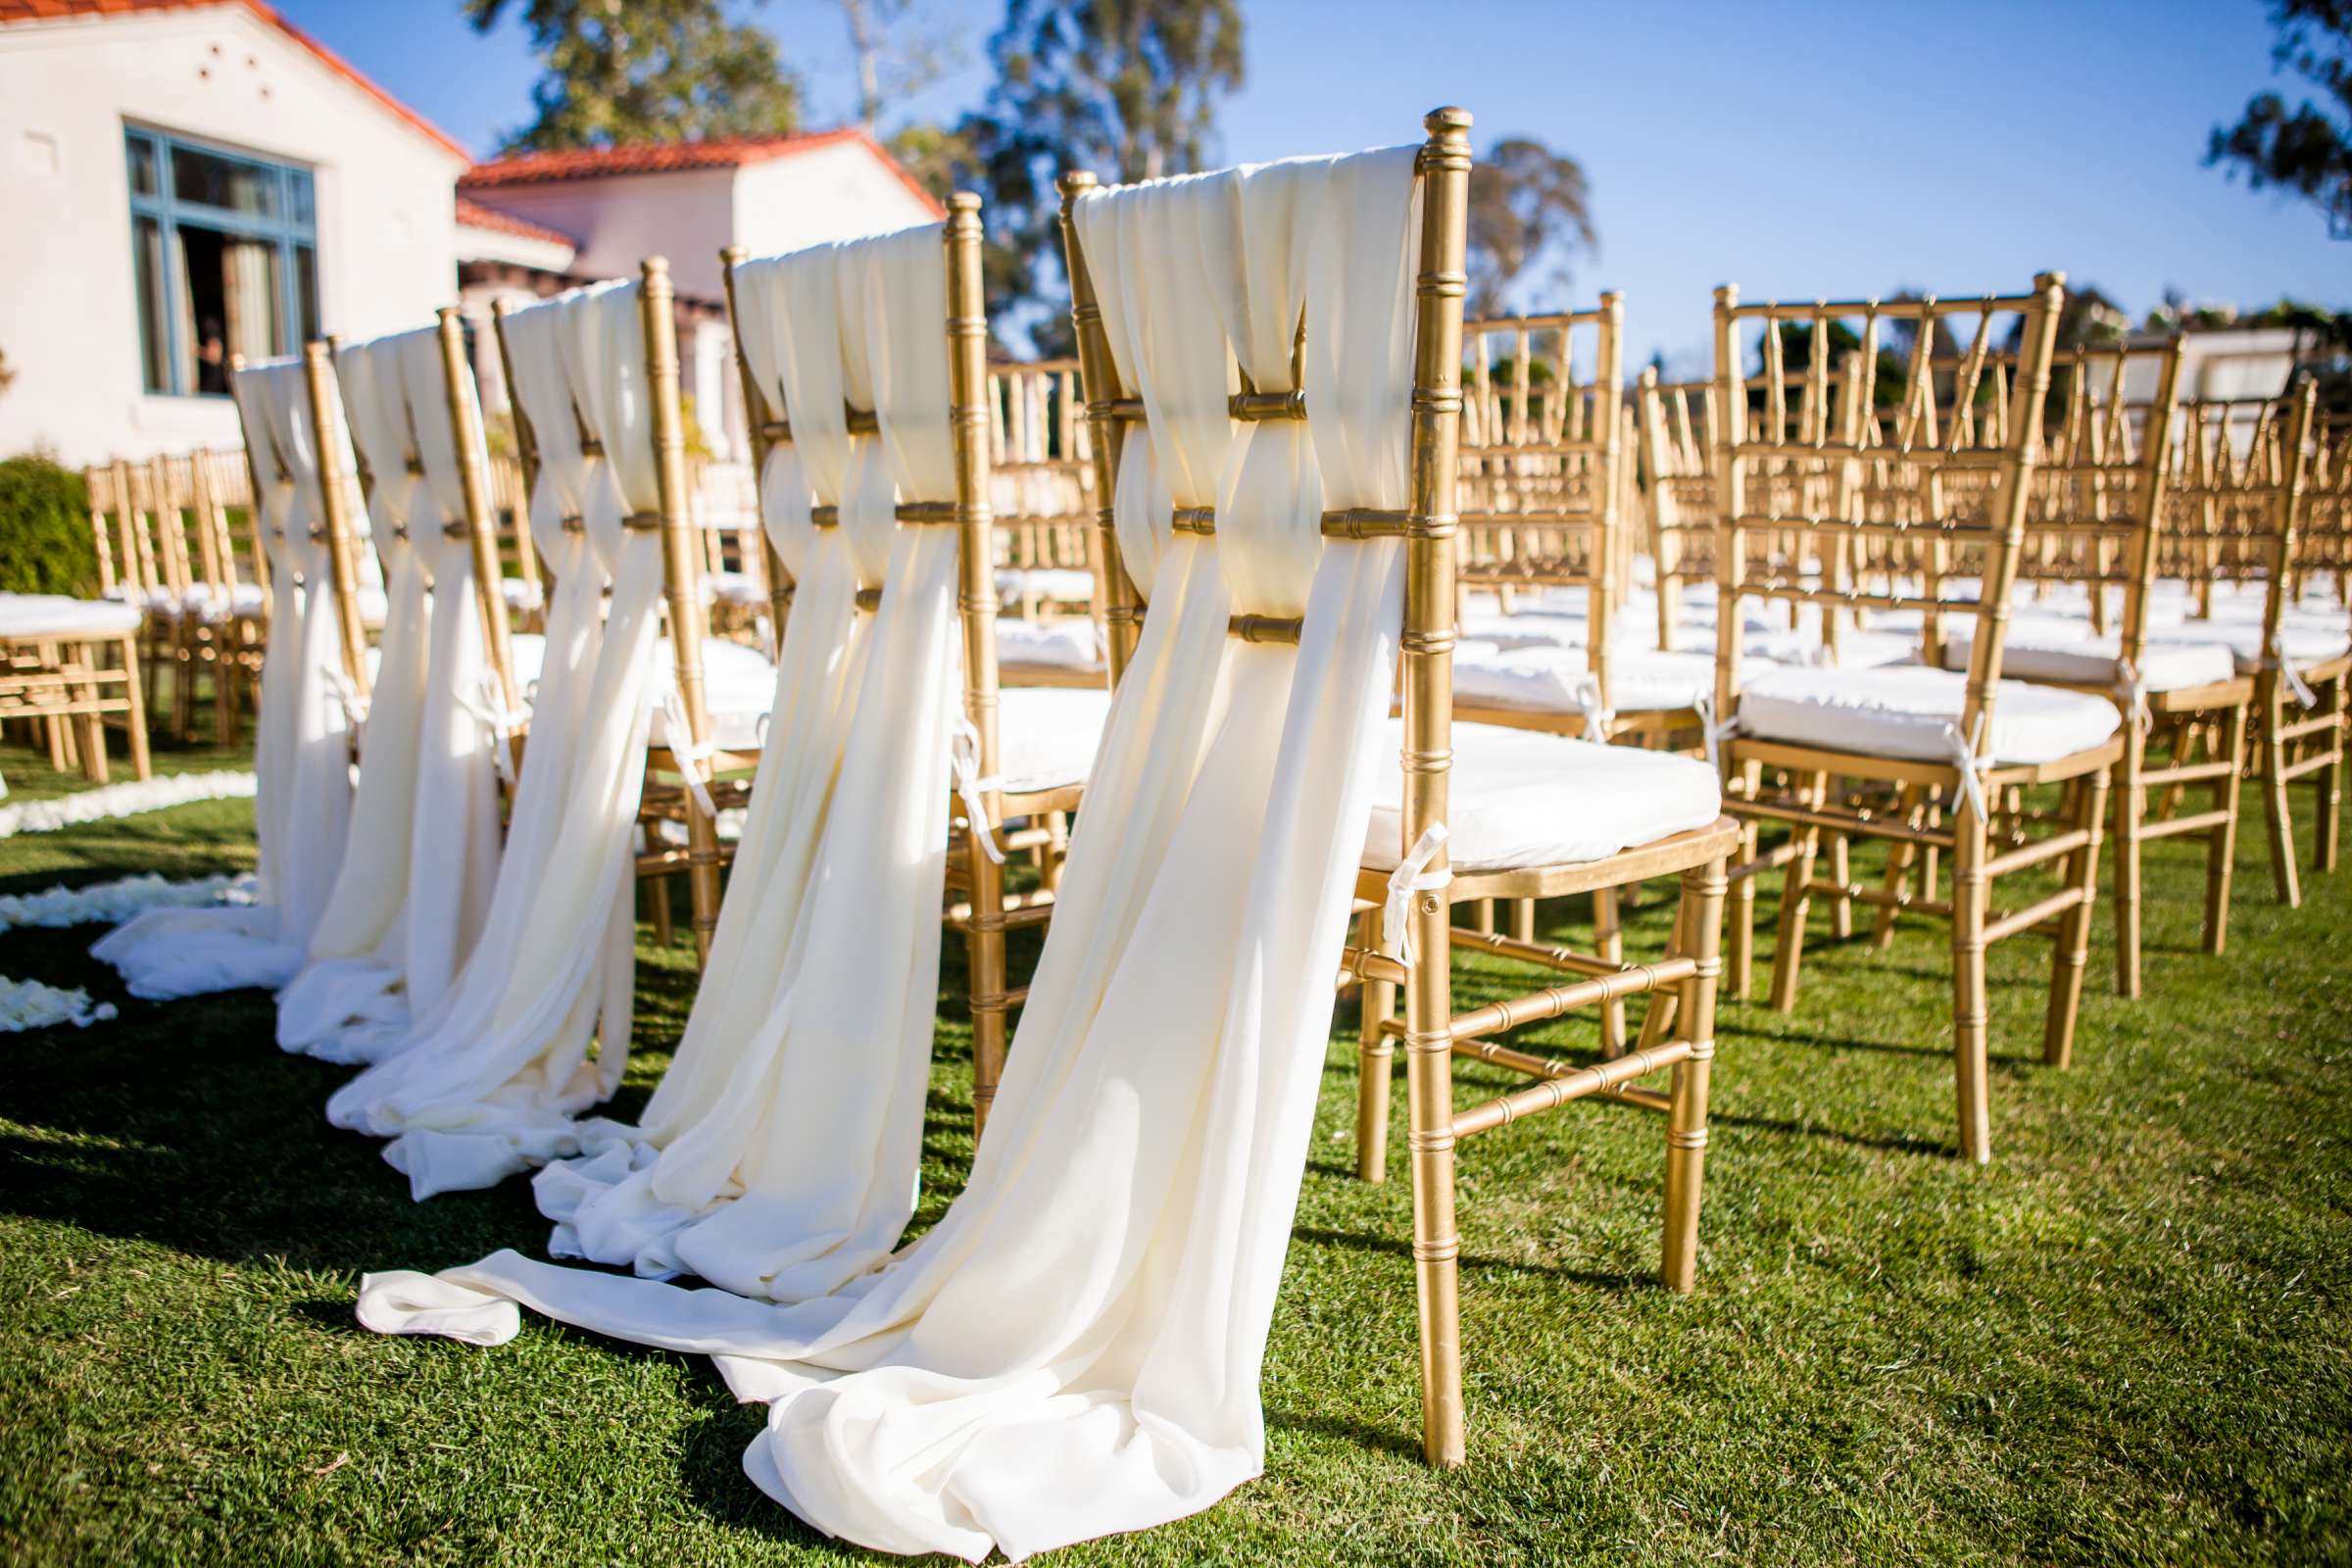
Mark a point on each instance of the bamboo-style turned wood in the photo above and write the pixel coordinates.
(334, 509)
(1121, 625)
(480, 523)
(967, 374)
(767, 431)
(681, 578)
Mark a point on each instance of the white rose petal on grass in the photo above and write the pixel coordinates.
(124, 800)
(30, 1005)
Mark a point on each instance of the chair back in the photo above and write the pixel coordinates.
(1897, 451)
(2240, 486)
(1678, 440)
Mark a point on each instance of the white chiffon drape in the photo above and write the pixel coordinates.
(492, 1079)
(1074, 1350)
(416, 878)
(302, 742)
(779, 1157)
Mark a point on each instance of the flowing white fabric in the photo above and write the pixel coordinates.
(416, 878)
(491, 1079)
(302, 743)
(1075, 1348)
(779, 1157)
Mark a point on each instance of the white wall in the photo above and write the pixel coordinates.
(69, 320)
(619, 220)
(838, 191)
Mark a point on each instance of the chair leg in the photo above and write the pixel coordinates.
(1608, 943)
(1661, 1017)
(1842, 872)
(1523, 919)
(984, 968)
(2072, 949)
(1437, 1242)
(2277, 812)
(656, 897)
(1796, 900)
(2131, 805)
(1743, 895)
(135, 719)
(1375, 1059)
(2221, 846)
(1897, 878)
(1702, 926)
(1970, 1009)
(2329, 810)
(1481, 917)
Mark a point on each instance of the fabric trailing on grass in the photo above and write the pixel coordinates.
(30, 1005)
(418, 875)
(491, 1080)
(132, 798)
(111, 903)
(780, 1155)
(302, 743)
(1075, 1348)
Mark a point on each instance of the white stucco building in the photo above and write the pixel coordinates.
(181, 180)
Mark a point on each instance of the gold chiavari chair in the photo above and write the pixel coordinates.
(2243, 492)
(1047, 571)
(1022, 766)
(683, 771)
(2095, 513)
(1907, 735)
(1677, 441)
(1436, 874)
(68, 667)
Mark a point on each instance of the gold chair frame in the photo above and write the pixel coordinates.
(1432, 1034)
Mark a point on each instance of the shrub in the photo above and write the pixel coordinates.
(44, 529)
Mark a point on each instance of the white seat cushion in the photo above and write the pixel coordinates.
(2070, 651)
(1521, 798)
(522, 595)
(217, 602)
(1910, 711)
(736, 588)
(2306, 644)
(58, 615)
(1047, 736)
(1547, 680)
(1063, 584)
(1048, 645)
(738, 686)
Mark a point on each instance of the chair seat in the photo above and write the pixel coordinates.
(1912, 712)
(2306, 643)
(58, 615)
(1549, 680)
(1062, 645)
(522, 595)
(1522, 798)
(1063, 584)
(218, 601)
(739, 685)
(1047, 736)
(736, 588)
(2070, 651)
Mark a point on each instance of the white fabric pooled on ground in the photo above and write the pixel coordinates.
(302, 742)
(494, 1076)
(1075, 1349)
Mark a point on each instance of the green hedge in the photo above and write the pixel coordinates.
(44, 529)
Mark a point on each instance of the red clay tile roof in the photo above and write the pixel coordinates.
(473, 214)
(661, 158)
(65, 10)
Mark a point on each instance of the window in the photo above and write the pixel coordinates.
(225, 253)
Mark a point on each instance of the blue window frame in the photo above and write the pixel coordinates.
(224, 251)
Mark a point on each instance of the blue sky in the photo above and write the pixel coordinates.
(1957, 147)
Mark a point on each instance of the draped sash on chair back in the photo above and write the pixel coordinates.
(779, 1156)
(301, 804)
(415, 883)
(499, 1071)
(1075, 1348)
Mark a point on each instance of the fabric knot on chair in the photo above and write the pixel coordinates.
(1412, 875)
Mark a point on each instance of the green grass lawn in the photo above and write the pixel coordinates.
(2125, 1341)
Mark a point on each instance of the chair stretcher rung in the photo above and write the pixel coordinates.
(2033, 914)
(2038, 853)
(2187, 774)
(1555, 1092)
(1632, 980)
(2174, 827)
(1876, 827)
(2309, 764)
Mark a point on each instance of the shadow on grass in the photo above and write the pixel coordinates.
(1599, 1280)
